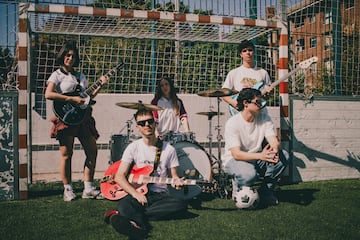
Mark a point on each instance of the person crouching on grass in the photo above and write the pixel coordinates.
(245, 157)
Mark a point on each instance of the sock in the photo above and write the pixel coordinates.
(68, 187)
(88, 186)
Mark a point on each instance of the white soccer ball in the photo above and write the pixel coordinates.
(246, 198)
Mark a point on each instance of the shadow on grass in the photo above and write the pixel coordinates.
(43, 189)
(297, 196)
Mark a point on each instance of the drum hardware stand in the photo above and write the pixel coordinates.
(128, 128)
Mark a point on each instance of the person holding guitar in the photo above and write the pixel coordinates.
(245, 156)
(137, 206)
(63, 86)
(173, 114)
(246, 75)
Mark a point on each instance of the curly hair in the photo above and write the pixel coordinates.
(247, 94)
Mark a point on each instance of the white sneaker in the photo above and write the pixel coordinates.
(69, 195)
(93, 194)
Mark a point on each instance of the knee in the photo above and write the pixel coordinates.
(246, 177)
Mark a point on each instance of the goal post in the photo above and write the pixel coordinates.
(195, 50)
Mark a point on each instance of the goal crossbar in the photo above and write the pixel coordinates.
(84, 20)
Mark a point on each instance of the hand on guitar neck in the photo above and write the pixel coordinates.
(265, 90)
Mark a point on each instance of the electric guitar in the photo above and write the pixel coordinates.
(260, 85)
(139, 178)
(72, 114)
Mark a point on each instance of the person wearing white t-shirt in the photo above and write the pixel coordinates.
(173, 115)
(136, 208)
(61, 86)
(246, 75)
(245, 157)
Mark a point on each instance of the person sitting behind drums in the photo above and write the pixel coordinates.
(173, 115)
(134, 209)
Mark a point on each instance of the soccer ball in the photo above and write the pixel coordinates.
(246, 198)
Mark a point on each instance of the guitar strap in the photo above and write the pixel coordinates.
(159, 144)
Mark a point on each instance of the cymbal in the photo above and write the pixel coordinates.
(138, 105)
(217, 93)
(210, 114)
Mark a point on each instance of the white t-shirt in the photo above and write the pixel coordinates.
(143, 155)
(242, 77)
(67, 82)
(247, 135)
(167, 119)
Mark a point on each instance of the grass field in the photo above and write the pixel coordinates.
(311, 210)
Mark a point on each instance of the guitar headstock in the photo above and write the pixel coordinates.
(306, 63)
(208, 187)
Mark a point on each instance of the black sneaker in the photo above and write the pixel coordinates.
(108, 214)
(269, 199)
(126, 227)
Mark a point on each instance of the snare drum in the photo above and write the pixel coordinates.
(118, 143)
(194, 164)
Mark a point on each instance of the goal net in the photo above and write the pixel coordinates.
(195, 50)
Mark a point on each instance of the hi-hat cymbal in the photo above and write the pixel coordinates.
(210, 114)
(138, 105)
(217, 93)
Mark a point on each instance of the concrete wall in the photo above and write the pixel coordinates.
(111, 120)
(326, 138)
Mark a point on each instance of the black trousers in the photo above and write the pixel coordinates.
(160, 206)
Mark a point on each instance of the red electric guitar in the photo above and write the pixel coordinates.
(139, 178)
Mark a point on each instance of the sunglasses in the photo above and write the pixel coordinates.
(258, 103)
(143, 122)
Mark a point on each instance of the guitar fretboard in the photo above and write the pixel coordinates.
(97, 83)
(150, 179)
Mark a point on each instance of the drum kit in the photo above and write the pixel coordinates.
(195, 162)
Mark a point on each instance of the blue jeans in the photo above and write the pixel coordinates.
(247, 172)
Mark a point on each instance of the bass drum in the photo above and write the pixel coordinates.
(194, 164)
(118, 143)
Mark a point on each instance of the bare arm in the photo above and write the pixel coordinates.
(51, 94)
(231, 101)
(104, 80)
(178, 181)
(267, 154)
(185, 124)
(120, 178)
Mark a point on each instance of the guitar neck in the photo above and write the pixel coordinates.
(141, 179)
(98, 82)
(283, 78)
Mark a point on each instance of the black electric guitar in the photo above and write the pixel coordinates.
(260, 85)
(72, 114)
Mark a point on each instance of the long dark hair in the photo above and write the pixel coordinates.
(65, 50)
(173, 96)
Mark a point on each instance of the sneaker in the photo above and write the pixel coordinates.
(126, 227)
(69, 195)
(269, 199)
(108, 215)
(93, 194)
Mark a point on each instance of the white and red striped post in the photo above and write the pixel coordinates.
(23, 81)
